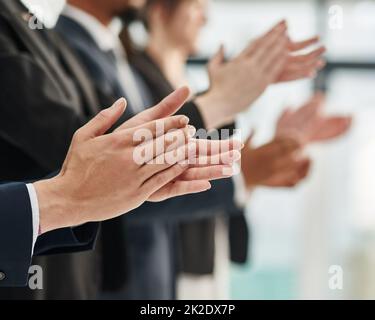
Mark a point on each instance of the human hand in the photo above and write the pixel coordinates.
(302, 65)
(308, 124)
(101, 178)
(237, 83)
(275, 164)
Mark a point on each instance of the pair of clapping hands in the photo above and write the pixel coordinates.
(106, 175)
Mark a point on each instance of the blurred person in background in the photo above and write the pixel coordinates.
(173, 29)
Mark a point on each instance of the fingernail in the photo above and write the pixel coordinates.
(209, 186)
(184, 121)
(119, 102)
(192, 131)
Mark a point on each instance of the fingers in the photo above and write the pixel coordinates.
(289, 177)
(214, 147)
(102, 122)
(209, 152)
(170, 149)
(171, 104)
(286, 163)
(300, 45)
(157, 128)
(308, 57)
(279, 27)
(167, 107)
(161, 179)
(295, 72)
(207, 173)
(300, 173)
(186, 156)
(282, 146)
(266, 50)
(225, 158)
(331, 128)
(303, 66)
(180, 188)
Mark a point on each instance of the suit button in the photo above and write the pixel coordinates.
(2, 276)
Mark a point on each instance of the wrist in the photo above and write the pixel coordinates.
(56, 208)
(214, 110)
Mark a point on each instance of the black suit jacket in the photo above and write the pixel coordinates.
(45, 96)
(16, 232)
(196, 238)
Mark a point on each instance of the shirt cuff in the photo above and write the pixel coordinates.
(35, 213)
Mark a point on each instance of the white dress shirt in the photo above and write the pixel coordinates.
(35, 213)
(107, 39)
(46, 11)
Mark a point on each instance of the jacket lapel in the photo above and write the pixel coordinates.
(33, 40)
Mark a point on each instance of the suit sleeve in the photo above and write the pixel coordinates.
(16, 232)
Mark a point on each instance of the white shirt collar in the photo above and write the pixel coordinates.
(46, 11)
(107, 38)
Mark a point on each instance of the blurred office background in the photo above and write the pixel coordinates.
(329, 220)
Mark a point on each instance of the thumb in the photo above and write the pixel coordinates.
(102, 122)
(217, 59)
(171, 104)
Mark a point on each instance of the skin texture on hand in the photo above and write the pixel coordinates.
(237, 83)
(101, 179)
(308, 124)
(302, 65)
(276, 164)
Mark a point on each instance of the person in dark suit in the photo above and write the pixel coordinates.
(46, 96)
(50, 216)
(174, 28)
(87, 24)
